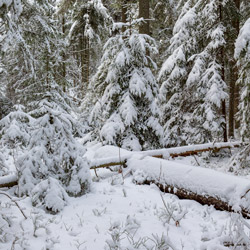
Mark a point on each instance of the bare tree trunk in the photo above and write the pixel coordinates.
(222, 61)
(63, 57)
(144, 13)
(86, 63)
(233, 104)
(237, 90)
(124, 13)
(231, 120)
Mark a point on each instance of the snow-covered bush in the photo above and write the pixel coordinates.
(5, 231)
(123, 237)
(171, 211)
(53, 151)
(233, 235)
(50, 195)
(15, 128)
(126, 113)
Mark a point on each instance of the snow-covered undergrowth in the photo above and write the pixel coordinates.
(118, 214)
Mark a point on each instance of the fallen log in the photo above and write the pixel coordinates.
(206, 186)
(159, 153)
(8, 181)
(163, 153)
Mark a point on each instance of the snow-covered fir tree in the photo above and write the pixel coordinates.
(15, 128)
(242, 54)
(86, 24)
(206, 80)
(126, 113)
(173, 75)
(52, 150)
(164, 13)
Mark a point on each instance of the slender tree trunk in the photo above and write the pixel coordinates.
(233, 103)
(222, 61)
(124, 13)
(237, 90)
(63, 57)
(86, 63)
(144, 13)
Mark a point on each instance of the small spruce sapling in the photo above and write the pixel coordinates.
(50, 195)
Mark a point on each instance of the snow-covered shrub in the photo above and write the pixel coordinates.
(126, 112)
(171, 211)
(54, 152)
(5, 230)
(50, 195)
(123, 237)
(15, 128)
(234, 235)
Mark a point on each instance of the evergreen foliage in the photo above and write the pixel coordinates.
(50, 195)
(52, 150)
(86, 26)
(173, 76)
(242, 53)
(126, 113)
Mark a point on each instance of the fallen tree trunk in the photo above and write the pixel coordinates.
(159, 153)
(203, 200)
(165, 153)
(206, 186)
(8, 181)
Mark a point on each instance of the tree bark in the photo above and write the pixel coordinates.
(144, 13)
(63, 57)
(5, 181)
(205, 199)
(233, 89)
(222, 61)
(124, 13)
(237, 90)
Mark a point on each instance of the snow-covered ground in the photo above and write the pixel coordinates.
(118, 214)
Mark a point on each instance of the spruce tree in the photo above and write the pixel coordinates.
(126, 112)
(173, 76)
(52, 150)
(87, 25)
(242, 54)
(207, 78)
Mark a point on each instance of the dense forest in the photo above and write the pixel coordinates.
(138, 75)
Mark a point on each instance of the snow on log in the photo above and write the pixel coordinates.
(122, 156)
(8, 181)
(206, 186)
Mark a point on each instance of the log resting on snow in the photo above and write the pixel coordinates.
(10, 181)
(164, 153)
(206, 186)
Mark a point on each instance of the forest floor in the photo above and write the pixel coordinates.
(118, 214)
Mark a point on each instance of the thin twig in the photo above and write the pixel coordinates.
(3, 193)
(121, 165)
(196, 160)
